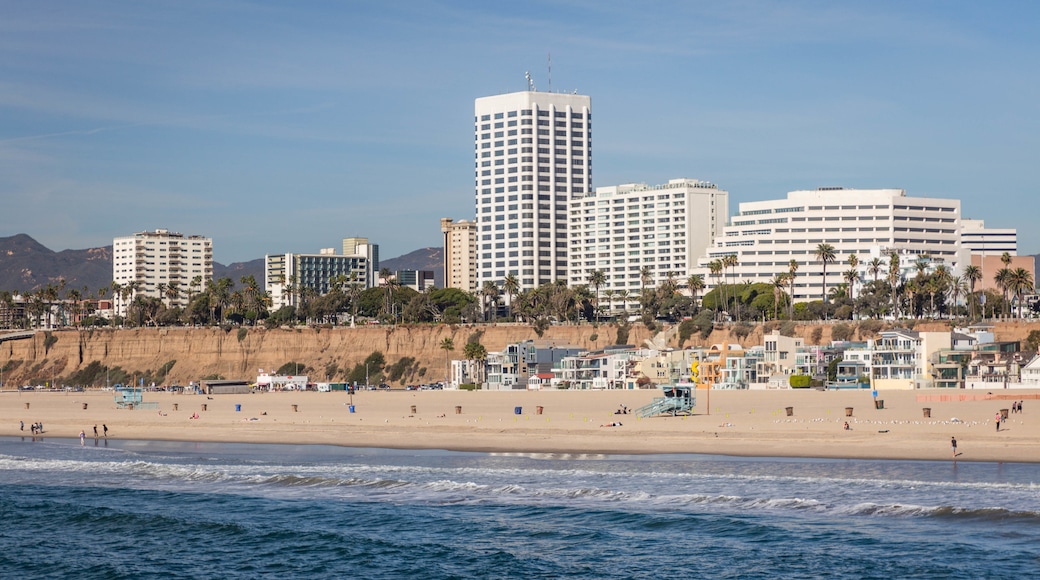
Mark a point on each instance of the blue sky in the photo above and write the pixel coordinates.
(286, 126)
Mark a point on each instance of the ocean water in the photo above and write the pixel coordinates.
(141, 509)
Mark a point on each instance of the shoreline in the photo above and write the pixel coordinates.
(741, 423)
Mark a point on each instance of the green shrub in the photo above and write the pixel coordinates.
(742, 330)
(800, 381)
(469, 387)
(242, 332)
(841, 331)
(48, 341)
(788, 328)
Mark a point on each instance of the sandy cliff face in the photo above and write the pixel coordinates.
(201, 352)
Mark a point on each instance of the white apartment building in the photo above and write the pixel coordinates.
(164, 264)
(285, 275)
(978, 239)
(621, 229)
(532, 154)
(766, 235)
(460, 254)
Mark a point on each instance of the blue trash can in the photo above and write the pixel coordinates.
(238, 408)
(518, 410)
(352, 408)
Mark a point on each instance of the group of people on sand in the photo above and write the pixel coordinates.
(36, 428)
(622, 410)
(1016, 406)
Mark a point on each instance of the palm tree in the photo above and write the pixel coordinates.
(447, 345)
(623, 297)
(851, 276)
(1003, 280)
(942, 279)
(489, 294)
(715, 269)
(597, 278)
(972, 274)
(792, 271)
(874, 267)
(511, 285)
(1021, 281)
(893, 279)
(779, 282)
(825, 253)
(730, 261)
(646, 278)
(609, 294)
(695, 283)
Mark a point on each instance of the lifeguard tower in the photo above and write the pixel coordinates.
(678, 399)
(133, 399)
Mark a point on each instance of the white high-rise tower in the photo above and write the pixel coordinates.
(532, 155)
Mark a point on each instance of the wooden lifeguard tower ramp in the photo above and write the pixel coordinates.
(679, 399)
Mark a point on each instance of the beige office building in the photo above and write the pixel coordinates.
(460, 254)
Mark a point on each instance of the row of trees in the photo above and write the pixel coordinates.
(934, 292)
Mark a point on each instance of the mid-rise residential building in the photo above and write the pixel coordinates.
(287, 275)
(163, 264)
(766, 235)
(460, 254)
(978, 239)
(418, 280)
(361, 247)
(626, 231)
(532, 154)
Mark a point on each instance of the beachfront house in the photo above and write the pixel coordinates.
(779, 355)
(606, 369)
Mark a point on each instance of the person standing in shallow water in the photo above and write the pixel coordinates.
(953, 443)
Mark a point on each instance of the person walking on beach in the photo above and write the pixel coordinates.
(95, 433)
(953, 443)
(104, 428)
(21, 425)
(82, 438)
(997, 419)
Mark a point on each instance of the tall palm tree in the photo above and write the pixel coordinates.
(851, 276)
(893, 279)
(695, 283)
(715, 270)
(853, 265)
(597, 278)
(1021, 281)
(972, 274)
(609, 294)
(1003, 280)
(825, 253)
(792, 272)
(943, 278)
(874, 267)
(489, 294)
(779, 282)
(623, 297)
(511, 286)
(447, 345)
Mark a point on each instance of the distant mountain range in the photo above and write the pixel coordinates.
(27, 265)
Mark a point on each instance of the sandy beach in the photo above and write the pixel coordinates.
(746, 423)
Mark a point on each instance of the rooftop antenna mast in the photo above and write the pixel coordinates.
(550, 72)
(530, 81)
